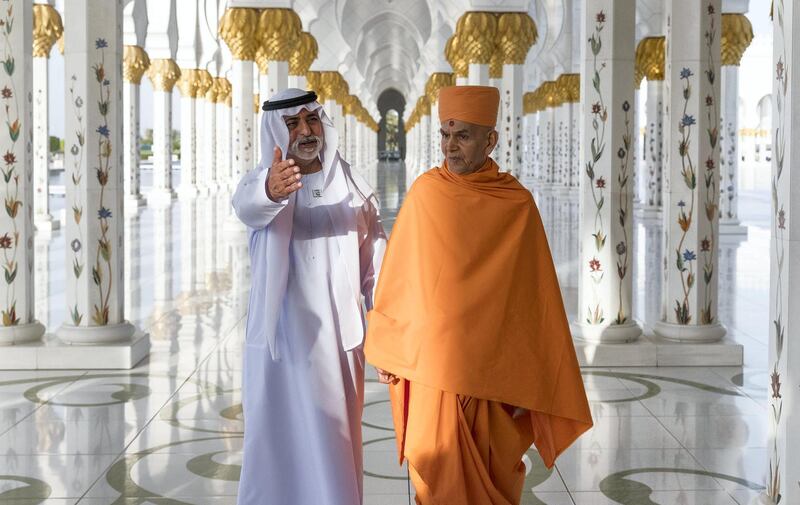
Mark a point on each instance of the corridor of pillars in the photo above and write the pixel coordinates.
(569, 130)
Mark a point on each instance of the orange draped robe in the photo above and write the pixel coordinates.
(469, 313)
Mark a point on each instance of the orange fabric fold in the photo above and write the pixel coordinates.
(463, 450)
(468, 302)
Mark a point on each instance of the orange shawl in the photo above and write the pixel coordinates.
(468, 302)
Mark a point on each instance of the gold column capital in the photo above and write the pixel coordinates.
(278, 33)
(517, 33)
(47, 29)
(527, 102)
(423, 106)
(314, 83)
(496, 65)
(223, 89)
(163, 73)
(237, 28)
(549, 94)
(650, 55)
(134, 63)
(569, 88)
(437, 81)
(350, 105)
(205, 84)
(452, 53)
(737, 34)
(477, 32)
(188, 82)
(304, 54)
(329, 85)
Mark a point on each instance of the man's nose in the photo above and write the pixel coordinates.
(303, 129)
(450, 143)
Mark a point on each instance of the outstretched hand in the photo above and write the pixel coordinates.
(283, 179)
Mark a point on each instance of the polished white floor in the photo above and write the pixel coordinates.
(170, 430)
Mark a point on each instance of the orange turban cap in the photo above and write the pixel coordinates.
(471, 104)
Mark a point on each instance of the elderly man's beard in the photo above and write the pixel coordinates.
(306, 148)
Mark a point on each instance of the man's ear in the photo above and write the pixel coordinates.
(492, 142)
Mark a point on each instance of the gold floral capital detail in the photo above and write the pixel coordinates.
(163, 73)
(47, 29)
(477, 32)
(569, 88)
(305, 52)
(737, 34)
(453, 55)
(206, 82)
(650, 54)
(135, 63)
(221, 88)
(279, 31)
(437, 81)
(237, 27)
(517, 33)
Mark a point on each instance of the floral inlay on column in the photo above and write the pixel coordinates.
(684, 259)
(778, 327)
(623, 247)
(10, 238)
(708, 247)
(103, 277)
(76, 178)
(600, 112)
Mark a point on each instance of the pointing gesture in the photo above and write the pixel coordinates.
(283, 178)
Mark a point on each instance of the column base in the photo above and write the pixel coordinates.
(111, 333)
(653, 351)
(51, 353)
(46, 224)
(732, 227)
(690, 333)
(611, 334)
(20, 334)
(161, 196)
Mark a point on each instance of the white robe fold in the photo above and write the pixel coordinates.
(314, 260)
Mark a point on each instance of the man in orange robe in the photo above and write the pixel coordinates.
(468, 325)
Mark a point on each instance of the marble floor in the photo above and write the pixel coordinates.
(170, 430)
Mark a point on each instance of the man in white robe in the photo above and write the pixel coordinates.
(316, 244)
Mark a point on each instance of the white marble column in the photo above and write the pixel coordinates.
(136, 62)
(606, 189)
(511, 96)
(18, 322)
(238, 28)
(783, 415)
(94, 284)
(208, 145)
(729, 154)
(654, 149)
(548, 146)
(242, 117)
(163, 74)
(691, 196)
(188, 85)
(223, 134)
(47, 28)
